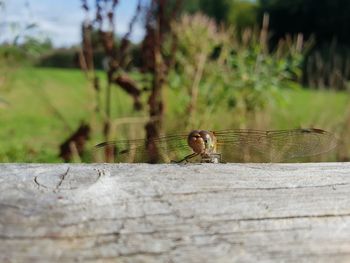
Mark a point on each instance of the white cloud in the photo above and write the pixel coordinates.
(59, 20)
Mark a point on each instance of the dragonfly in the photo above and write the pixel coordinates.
(235, 145)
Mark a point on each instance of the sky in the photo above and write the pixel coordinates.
(60, 20)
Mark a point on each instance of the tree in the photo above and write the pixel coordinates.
(328, 22)
(326, 19)
(239, 13)
(243, 14)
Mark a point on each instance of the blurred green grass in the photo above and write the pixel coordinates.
(325, 109)
(31, 128)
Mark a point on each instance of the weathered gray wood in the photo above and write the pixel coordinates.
(175, 213)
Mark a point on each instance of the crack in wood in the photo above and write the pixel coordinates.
(233, 189)
(62, 178)
(278, 217)
(192, 217)
(39, 184)
(53, 237)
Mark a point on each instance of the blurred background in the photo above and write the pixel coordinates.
(76, 73)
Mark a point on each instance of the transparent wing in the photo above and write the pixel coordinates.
(172, 147)
(233, 145)
(272, 146)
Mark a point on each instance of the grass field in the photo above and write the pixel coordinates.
(40, 107)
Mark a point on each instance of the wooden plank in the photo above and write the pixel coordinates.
(175, 213)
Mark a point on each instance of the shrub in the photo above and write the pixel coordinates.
(216, 70)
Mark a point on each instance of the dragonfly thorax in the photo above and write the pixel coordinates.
(202, 142)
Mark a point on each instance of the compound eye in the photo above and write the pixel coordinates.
(206, 137)
(195, 137)
(195, 141)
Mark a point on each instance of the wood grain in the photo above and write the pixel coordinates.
(175, 213)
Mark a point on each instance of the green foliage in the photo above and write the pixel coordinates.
(10, 55)
(243, 15)
(26, 53)
(35, 47)
(238, 13)
(325, 19)
(22, 47)
(219, 9)
(236, 75)
(328, 23)
(31, 132)
(190, 6)
(60, 58)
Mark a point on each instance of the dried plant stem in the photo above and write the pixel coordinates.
(130, 120)
(343, 154)
(155, 101)
(90, 75)
(75, 153)
(264, 32)
(195, 88)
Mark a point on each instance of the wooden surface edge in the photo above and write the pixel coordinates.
(175, 213)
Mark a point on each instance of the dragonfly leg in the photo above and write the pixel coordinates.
(212, 158)
(186, 158)
(219, 158)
